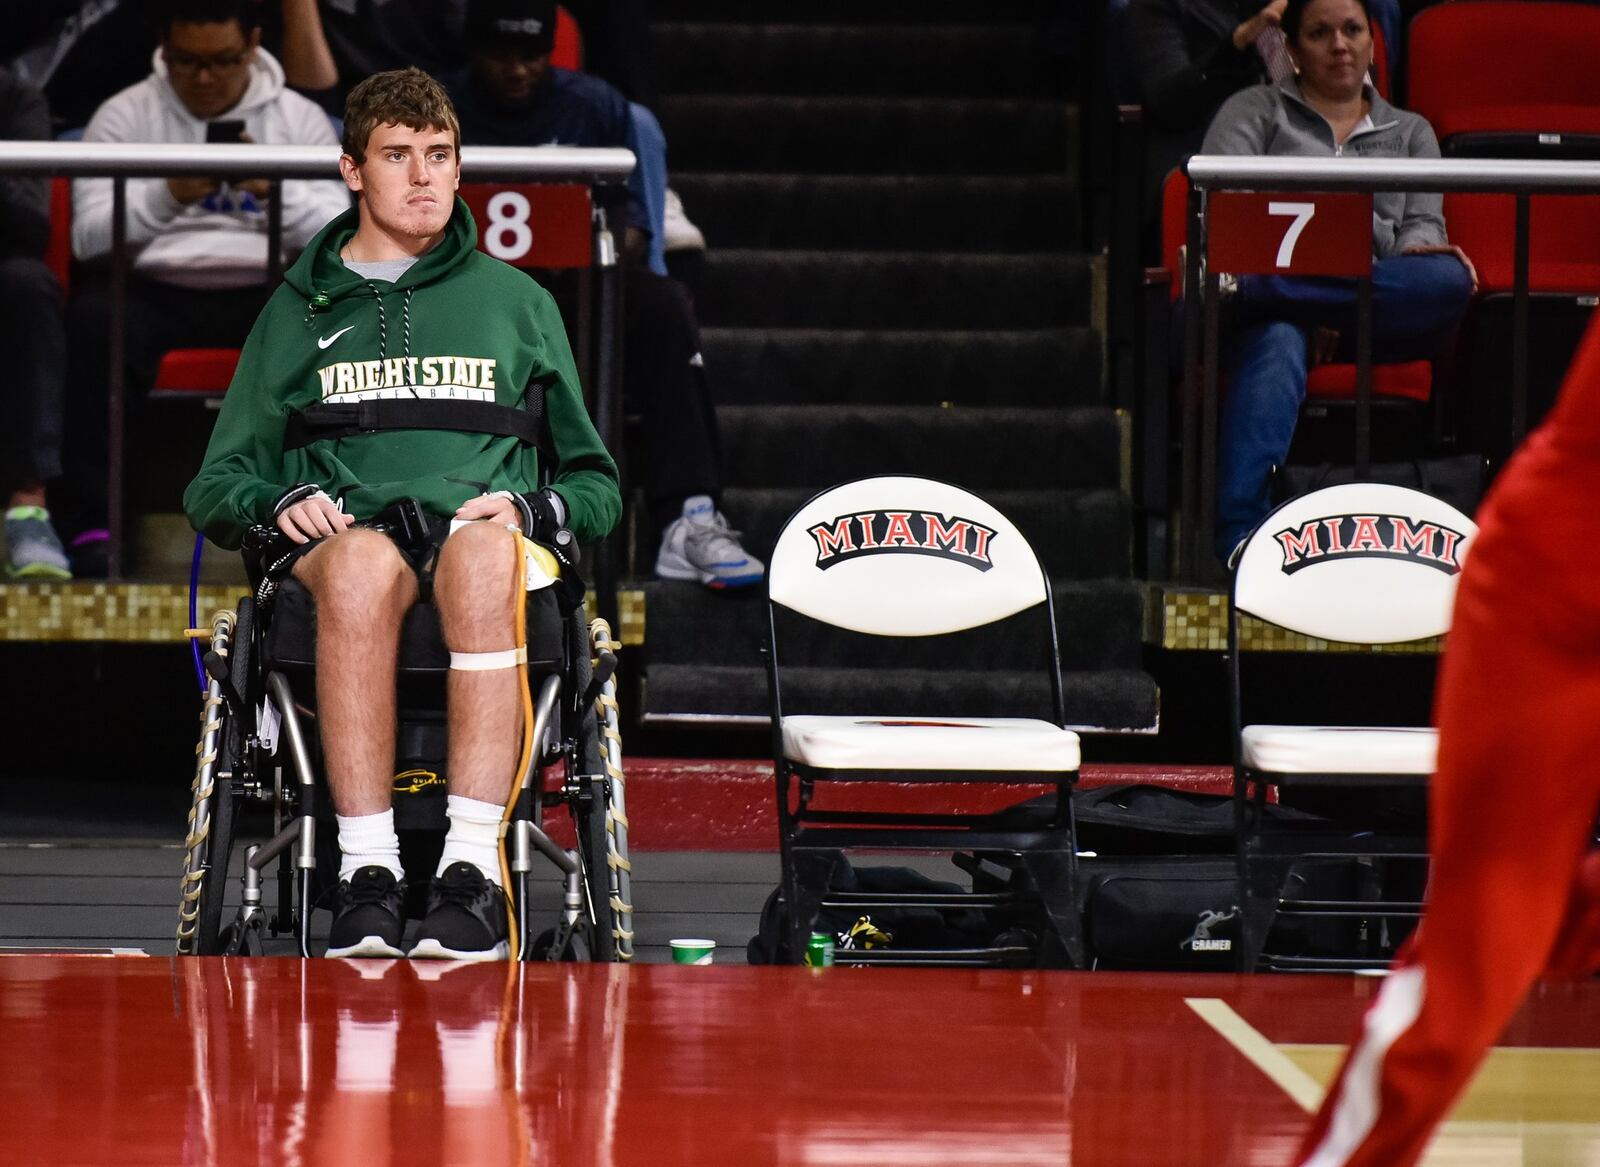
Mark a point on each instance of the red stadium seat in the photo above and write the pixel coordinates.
(202, 371)
(568, 50)
(1563, 241)
(1410, 380)
(183, 373)
(1491, 67)
(58, 251)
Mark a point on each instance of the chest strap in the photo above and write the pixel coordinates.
(322, 422)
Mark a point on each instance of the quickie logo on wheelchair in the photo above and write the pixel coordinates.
(908, 532)
(1337, 537)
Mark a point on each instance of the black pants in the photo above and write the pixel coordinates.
(159, 317)
(664, 381)
(30, 401)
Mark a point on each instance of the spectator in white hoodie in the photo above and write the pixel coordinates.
(199, 245)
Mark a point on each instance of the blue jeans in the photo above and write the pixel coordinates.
(650, 179)
(1416, 300)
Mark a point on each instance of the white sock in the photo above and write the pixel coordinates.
(698, 508)
(474, 835)
(368, 840)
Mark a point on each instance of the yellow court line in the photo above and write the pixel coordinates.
(1305, 1090)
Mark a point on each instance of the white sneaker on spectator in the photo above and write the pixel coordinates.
(699, 545)
(677, 233)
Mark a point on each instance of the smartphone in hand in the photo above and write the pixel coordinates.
(230, 131)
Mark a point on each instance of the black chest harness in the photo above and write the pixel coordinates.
(322, 422)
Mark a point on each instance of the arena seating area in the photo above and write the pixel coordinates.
(955, 288)
(922, 267)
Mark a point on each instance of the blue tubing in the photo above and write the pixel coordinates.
(194, 600)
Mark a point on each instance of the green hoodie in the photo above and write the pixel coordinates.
(456, 324)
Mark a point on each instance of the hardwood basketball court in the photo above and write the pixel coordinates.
(166, 1060)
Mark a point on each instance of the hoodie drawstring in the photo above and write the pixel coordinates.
(383, 323)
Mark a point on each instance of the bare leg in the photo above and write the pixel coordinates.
(474, 590)
(363, 588)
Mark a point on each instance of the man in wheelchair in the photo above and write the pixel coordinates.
(395, 406)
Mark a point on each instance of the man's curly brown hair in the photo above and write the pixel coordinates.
(400, 97)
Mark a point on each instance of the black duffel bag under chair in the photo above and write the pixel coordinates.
(1159, 888)
(871, 934)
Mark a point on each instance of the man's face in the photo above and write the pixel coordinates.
(209, 64)
(408, 180)
(511, 70)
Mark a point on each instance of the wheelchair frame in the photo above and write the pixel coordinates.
(236, 765)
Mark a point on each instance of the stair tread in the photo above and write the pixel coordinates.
(958, 213)
(985, 449)
(1114, 700)
(894, 289)
(840, 11)
(869, 135)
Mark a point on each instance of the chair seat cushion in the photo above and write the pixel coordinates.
(1339, 749)
(1410, 379)
(1012, 744)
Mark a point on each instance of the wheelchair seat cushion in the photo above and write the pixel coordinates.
(291, 640)
(996, 744)
(291, 636)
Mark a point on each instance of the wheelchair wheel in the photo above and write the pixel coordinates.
(209, 840)
(240, 938)
(589, 820)
(575, 951)
(602, 818)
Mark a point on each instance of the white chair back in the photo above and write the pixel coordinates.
(1360, 562)
(903, 556)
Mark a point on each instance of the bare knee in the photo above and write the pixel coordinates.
(357, 573)
(475, 579)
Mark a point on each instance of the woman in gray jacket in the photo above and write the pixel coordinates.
(1285, 324)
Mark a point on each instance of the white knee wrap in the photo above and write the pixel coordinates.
(484, 662)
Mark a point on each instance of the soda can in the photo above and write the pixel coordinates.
(819, 950)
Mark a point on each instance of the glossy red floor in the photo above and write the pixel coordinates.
(148, 1060)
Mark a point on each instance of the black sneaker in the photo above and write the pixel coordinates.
(366, 914)
(466, 918)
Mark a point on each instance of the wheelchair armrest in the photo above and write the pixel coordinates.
(261, 547)
(217, 669)
(605, 666)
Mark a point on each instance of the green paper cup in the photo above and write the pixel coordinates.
(693, 951)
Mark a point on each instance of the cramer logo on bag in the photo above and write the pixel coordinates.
(1201, 939)
(902, 532)
(1370, 537)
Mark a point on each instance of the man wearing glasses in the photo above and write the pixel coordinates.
(198, 245)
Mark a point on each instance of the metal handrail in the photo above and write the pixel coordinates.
(605, 168)
(166, 160)
(1503, 175)
(1216, 172)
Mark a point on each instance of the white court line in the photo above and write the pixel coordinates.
(1305, 1090)
(1457, 1143)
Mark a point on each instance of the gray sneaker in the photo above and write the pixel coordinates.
(705, 549)
(32, 549)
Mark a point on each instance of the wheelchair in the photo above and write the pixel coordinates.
(257, 747)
